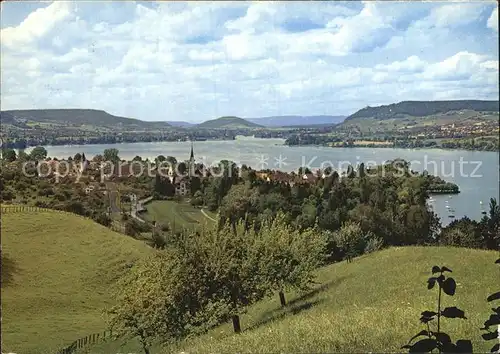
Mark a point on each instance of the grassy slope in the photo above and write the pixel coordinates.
(372, 304)
(57, 273)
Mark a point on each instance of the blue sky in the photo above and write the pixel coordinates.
(196, 61)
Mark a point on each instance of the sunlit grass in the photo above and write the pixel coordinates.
(372, 304)
(57, 270)
(176, 214)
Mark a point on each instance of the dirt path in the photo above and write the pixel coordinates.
(207, 216)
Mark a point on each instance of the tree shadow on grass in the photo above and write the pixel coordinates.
(9, 268)
(316, 291)
(297, 305)
(286, 311)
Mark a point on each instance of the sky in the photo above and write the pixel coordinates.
(195, 61)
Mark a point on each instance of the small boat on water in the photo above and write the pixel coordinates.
(482, 208)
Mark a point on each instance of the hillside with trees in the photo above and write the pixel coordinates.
(78, 117)
(230, 122)
(423, 108)
(297, 121)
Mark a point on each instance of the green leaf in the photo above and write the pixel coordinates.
(442, 337)
(421, 333)
(490, 335)
(464, 346)
(453, 312)
(492, 321)
(495, 348)
(449, 286)
(445, 269)
(494, 296)
(447, 348)
(436, 269)
(431, 282)
(424, 346)
(428, 313)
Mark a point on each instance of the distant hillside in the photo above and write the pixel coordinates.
(180, 124)
(228, 122)
(423, 108)
(93, 117)
(289, 121)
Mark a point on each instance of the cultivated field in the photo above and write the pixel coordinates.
(177, 214)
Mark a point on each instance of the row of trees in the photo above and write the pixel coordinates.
(202, 279)
(469, 233)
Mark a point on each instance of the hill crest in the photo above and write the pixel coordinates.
(228, 122)
(423, 108)
(77, 116)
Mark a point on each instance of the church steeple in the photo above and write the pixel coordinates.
(191, 157)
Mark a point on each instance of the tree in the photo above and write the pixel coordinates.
(160, 158)
(490, 226)
(9, 155)
(98, 158)
(229, 264)
(350, 239)
(38, 153)
(151, 301)
(197, 199)
(22, 156)
(171, 160)
(111, 155)
(288, 257)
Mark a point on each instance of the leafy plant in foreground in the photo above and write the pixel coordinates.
(436, 339)
(494, 320)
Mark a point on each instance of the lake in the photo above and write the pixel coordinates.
(475, 172)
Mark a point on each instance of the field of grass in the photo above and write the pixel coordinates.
(371, 304)
(176, 214)
(57, 270)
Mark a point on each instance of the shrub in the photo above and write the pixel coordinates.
(60, 197)
(350, 240)
(102, 219)
(45, 192)
(374, 244)
(7, 195)
(41, 204)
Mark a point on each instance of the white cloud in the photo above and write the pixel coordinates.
(453, 15)
(194, 61)
(37, 24)
(493, 20)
